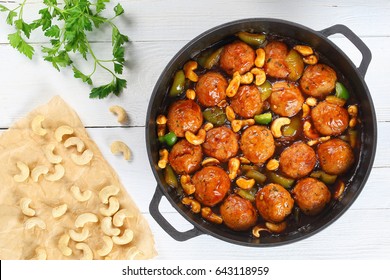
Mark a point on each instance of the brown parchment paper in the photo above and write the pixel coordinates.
(20, 143)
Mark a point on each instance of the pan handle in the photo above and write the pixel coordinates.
(174, 233)
(359, 44)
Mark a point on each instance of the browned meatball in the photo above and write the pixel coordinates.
(311, 195)
(329, 119)
(318, 80)
(335, 156)
(275, 55)
(274, 203)
(286, 99)
(237, 56)
(210, 89)
(257, 144)
(247, 102)
(221, 143)
(297, 160)
(184, 115)
(238, 213)
(185, 158)
(211, 185)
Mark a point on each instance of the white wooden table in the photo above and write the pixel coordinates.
(158, 29)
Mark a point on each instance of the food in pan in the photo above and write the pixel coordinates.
(263, 134)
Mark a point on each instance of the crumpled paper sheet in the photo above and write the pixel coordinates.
(20, 143)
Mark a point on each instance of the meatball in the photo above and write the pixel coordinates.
(238, 213)
(318, 80)
(329, 119)
(210, 89)
(247, 102)
(221, 143)
(335, 156)
(211, 185)
(185, 158)
(237, 56)
(274, 203)
(311, 195)
(286, 99)
(257, 144)
(297, 160)
(184, 115)
(275, 64)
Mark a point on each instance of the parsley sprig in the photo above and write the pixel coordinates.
(67, 26)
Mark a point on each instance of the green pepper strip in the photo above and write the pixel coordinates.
(246, 194)
(265, 118)
(212, 59)
(170, 177)
(341, 91)
(265, 90)
(178, 84)
(279, 179)
(169, 138)
(256, 175)
(324, 177)
(255, 40)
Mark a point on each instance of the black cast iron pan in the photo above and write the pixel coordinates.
(320, 42)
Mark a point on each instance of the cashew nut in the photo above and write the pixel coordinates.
(161, 125)
(106, 226)
(237, 125)
(189, 68)
(257, 229)
(62, 131)
(276, 228)
(353, 122)
(40, 254)
(36, 125)
(339, 191)
(38, 171)
(85, 218)
(222, 104)
(108, 191)
(113, 207)
(59, 172)
(59, 211)
(121, 114)
(207, 126)
(245, 184)
(162, 163)
(196, 139)
(190, 94)
(210, 161)
(79, 236)
(63, 243)
(311, 101)
(80, 196)
(120, 147)
(82, 159)
(311, 59)
(34, 222)
(51, 157)
(210, 216)
(133, 252)
(107, 246)
(195, 205)
(332, 99)
(233, 166)
(244, 160)
(87, 252)
(260, 58)
(125, 238)
(309, 131)
(353, 110)
(260, 76)
(305, 110)
(276, 126)
(25, 207)
(230, 115)
(303, 50)
(120, 216)
(187, 185)
(24, 172)
(246, 79)
(75, 141)
(234, 84)
(319, 140)
(272, 165)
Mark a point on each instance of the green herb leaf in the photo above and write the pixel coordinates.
(79, 75)
(10, 17)
(118, 9)
(16, 41)
(100, 5)
(118, 68)
(53, 31)
(3, 8)
(102, 91)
